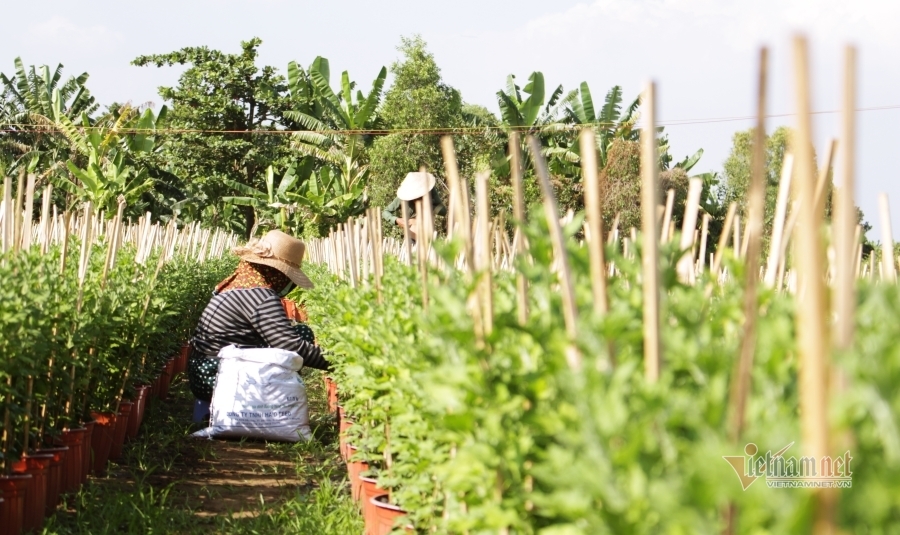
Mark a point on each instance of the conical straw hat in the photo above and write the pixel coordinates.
(279, 250)
(415, 185)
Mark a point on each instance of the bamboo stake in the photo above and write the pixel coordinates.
(704, 234)
(17, 213)
(407, 243)
(723, 239)
(29, 209)
(342, 252)
(368, 256)
(614, 231)
(812, 304)
(64, 241)
(781, 202)
(85, 244)
(649, 253)
(845, 213)
(483, 261)
(521, 245)
(423, 261)
(7, 214)
(887, 239)
(858, 263)
(688, 224)
(736, 239)
(740, 391)
(45, 219)
(594, 222)
(349, 229)
(378, 243)
(570, 313)
(667, 216)
(114, 240)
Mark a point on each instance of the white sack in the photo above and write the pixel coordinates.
(259, 393)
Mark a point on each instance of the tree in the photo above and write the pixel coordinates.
(418, 101)
(736, 173)
(102, 162)
(736, 180)
(272, 206)
(332, 197)
(528, 115)
(737, 168)
(34, 101)
(222, 92)
(620, 183)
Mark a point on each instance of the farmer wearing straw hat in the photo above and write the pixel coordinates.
(413, 188)
(246, 311)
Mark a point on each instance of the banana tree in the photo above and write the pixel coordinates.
(42, 94)
(104, 179)
(110, 169)
(531, 114)
(610, 123)
(338, 188)
(329, 199)
(275, 205)
(38, 99)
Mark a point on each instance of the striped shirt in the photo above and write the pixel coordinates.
(251, 317)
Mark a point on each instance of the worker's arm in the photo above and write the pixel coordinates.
(390, 213)
(272, 323)
(437, 206)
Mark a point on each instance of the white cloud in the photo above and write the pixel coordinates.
(741, 23)
(59, 31)
(703, 54)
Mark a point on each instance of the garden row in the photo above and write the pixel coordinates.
(88, 335)
(564, 381)
(503, 435)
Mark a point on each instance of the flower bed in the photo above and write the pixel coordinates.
(505, 437)
(74, 354)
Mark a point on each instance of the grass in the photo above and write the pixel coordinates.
(167, 482)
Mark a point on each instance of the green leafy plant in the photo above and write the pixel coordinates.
(505, 435)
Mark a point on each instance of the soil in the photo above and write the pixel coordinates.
(209, 478)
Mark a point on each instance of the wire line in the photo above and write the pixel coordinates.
(555, 127)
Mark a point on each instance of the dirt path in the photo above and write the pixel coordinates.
(204, 486)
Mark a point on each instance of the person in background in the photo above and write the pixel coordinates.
(414, 187)
(246, 311)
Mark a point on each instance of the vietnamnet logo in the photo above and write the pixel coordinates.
(789, 472)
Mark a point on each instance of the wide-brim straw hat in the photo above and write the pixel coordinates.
(415, 185)
(280, 251)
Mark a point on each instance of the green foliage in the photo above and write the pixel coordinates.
(737, 170)
(34, 100)
(418, 100)
(272, 206)
(338, 190)
(221, 92)
(506, 436)
(609, 122)
(526, 113)
(81, 343)
(110, 171)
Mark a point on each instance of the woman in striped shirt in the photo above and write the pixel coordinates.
(246, 310)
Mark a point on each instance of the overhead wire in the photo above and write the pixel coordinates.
(557, 127)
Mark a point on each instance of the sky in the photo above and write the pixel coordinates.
(702, 54)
